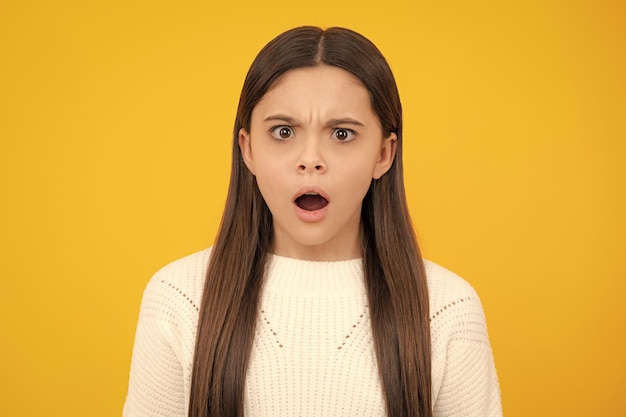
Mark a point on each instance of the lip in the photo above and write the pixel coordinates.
(309, 216)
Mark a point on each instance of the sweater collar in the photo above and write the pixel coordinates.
(314, 278)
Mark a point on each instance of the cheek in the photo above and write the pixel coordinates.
(357, 168)
(355, 179)
(270, 185)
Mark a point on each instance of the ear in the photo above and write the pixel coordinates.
(246, 149)
(386, 156)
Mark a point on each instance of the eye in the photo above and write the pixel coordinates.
(343, 135)
(281, 132)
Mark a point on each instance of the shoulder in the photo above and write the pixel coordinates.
(165, 338)
(446, 289)
(178, 286)
(456, 312)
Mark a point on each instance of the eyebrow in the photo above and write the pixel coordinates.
(330, 123)
(281, 118)
(344, 121)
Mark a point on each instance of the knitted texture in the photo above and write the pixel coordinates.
(313, 353)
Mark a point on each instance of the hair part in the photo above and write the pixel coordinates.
(395, 278)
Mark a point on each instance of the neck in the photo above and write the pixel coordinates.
(334, 250)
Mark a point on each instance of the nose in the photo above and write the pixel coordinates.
(310, 158)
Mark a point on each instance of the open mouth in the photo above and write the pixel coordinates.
(311, 202)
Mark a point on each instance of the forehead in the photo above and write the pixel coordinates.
(332, 75)
(318, 88)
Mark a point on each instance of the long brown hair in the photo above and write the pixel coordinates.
(394, 271)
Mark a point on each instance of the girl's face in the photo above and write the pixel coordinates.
(314, 146)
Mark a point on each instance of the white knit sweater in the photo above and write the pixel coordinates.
(313, 353)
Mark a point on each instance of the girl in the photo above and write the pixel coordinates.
(314, 299)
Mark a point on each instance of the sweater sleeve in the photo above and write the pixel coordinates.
(161, 364)
(465, 382)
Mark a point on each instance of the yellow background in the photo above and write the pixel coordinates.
(115, 129)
